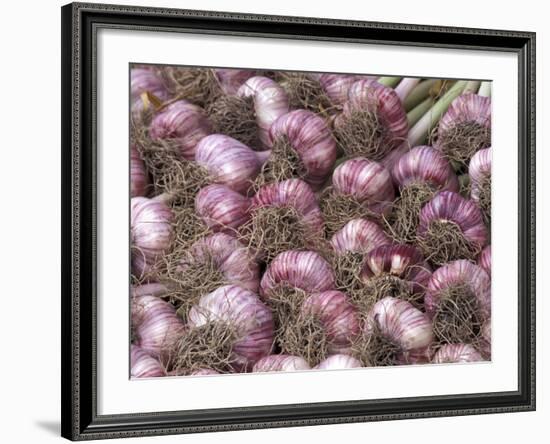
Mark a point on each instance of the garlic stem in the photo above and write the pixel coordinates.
(405, 87)
(419, 94)
(389, 81)
(419, 110)
(472, 86)
(422, 128)
(485, 89)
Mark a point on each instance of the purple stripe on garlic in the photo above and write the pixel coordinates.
(228, 161)
(138, 175)
(143, 365)
(232, 79)
(311, 139)
(480, 171)
(280, 363)
(339, 362)
(452, 353)
(306, 270)
(145, 80)
(467, 108)
(183, 123)
(359, 236)
(337, 86)
(270, 102)
(484, 260)
(221, 208)
(243, 310)
(424, 164)
(151, 233)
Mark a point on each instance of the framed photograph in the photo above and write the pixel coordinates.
(278, 221)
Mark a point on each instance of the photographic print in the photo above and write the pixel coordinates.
(285, 221)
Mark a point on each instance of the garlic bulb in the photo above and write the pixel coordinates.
(221, 208)
(484, 260)
(451, 353)
(143, 365)
(182, 124)
(228, 161)
(359, 236)
(397, 333)
(465, 128)
(336, 86)
(451, 227)
(269, 100)
(154, 324)
(284, 215)
(303, 147)
(338, 362)
(373, 121)
(480, 179)
(306, 270)
(240, 309)
(151, 233)
(280, 363)
(232, 79)
(138, 176)
(142, 81)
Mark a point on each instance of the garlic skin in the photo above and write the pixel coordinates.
(155, 323)
(151, 231)
(402, 261)
(233, 260)
(280, 363)
(479, 170)
(425, 164)
(228, 161)
(453, 353)
(293, 193)
(145, 80)
(270, 102)
(143, 365)
(312, 140)
(404, 325)
(231, 80)
(336, 86)
(338, 317)
(221, 208)
(367, 181)
(484, 260)
(243, 309)
(138, 175)
(467, 108)
(450, 206)
(181, 122)
(460, 272)
(338, 362)
(359, 236)
(306, 270)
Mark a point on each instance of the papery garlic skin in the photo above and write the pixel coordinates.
(142, 365)
(234, 261)
(338, 362)
(359, 236)
(228, 161)
(306, 270)
(138, 175)
(270, 102)
(402, 261)
(336, 86)
(280, 363)
(145, 80)
(232, 79)
(338, 316)
(221, 208)
(312, 140)
(449, 206)
(424, 164)
(402, 323)
(479, 170)
(183, 123)
(467, 108)
(456, 273)
(155, 323)
(242, 309)
(454, 353)
(484, 260)
(293, 193)
(151, 230)
(367, 181)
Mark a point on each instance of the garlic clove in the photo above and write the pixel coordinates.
(142, 365)
(221, 208)
(452, 353)
(359, 236)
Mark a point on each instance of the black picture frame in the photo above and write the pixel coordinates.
(80, 420)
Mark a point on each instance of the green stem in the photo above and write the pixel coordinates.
(485, 89)
(419, 93)
(389, 81)
(419, 132)
(419, 110)
(472, 86)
